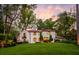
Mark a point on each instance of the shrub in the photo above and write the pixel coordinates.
(50, 38)
(2, 36)
(10, 43)
(6, 40)
(3, 43)
(7, 36)
(69, 41)
(71, 35)
(41, 37)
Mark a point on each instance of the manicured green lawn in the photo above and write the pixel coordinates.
(41, 49)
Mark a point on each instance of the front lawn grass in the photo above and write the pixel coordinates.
(41, 49)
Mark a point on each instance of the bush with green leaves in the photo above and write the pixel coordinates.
(2, 36)
(72, 35)
(10, 43)
(50, 38)
(41, 37)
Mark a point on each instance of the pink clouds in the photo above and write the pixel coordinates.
(48, 12)
(54, 18)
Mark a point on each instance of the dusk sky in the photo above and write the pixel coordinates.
(45, 11)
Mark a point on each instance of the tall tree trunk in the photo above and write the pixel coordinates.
(77, 18)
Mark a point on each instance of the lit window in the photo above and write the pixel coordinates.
(48, 33)
(34, 39)
(45, 38)
(34, 33)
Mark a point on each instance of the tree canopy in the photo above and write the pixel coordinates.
(47, 24)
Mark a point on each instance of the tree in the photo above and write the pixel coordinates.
(1, 20)
(40, 24)
(41, 37)
(1, 26)
(27, 15)
(11, 14)
(47, 24)
(77, 18)
(64, 23)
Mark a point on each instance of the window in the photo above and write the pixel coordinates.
(34, 33)
(34, 39)
(45, 38)
(49, 33)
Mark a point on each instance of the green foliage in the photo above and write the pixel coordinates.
(7, 36)
(27, 15)
(41, 37)
(47, 24)
(41, 49)
(1, 26)
(50, 38)
(64, 24)
(40, 24)
(10, 43)
(9, 15)
(2, 36)
(69, 41)
(12, 13)
(72, 35)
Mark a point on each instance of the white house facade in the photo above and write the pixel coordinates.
(46, 35)
(32, 35)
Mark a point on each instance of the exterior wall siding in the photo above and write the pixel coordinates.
(32, 37)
